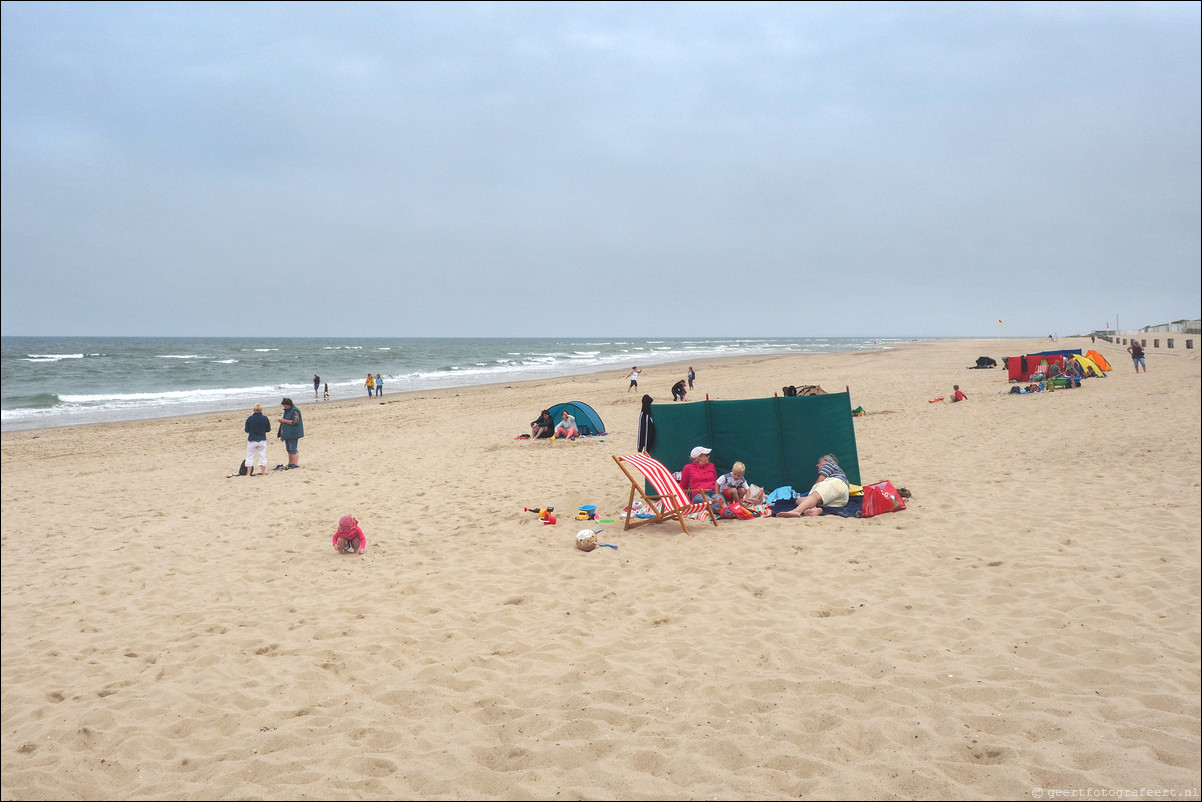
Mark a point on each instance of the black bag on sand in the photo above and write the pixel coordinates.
(242, 469)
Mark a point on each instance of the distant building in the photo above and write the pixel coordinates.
(1156, 342)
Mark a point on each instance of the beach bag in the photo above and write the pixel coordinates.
(242, 469)
(737, 510)
(881, 497)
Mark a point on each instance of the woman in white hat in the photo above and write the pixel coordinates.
(700, 480)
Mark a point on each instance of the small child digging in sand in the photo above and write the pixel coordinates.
(349, 536)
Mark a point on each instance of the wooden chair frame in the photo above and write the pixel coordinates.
(669, 502)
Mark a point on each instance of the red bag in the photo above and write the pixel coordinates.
(740, 511)
(881, 497)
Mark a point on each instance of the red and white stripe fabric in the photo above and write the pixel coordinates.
(674, 499)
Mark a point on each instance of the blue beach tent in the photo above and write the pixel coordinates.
(587, 421)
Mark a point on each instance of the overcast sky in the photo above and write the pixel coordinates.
(855, 169)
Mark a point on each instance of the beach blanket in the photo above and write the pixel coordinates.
(851, 509)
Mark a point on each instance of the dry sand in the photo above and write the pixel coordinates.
(1029, 625)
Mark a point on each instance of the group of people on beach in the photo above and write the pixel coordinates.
(291, 430)
(544, 426)
(679, 389)
(374, 385)
(349, 537)
(700, 480)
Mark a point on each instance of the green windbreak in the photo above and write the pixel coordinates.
(778, 439)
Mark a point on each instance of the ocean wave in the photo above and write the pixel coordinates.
(133, 381)
(35, 401)
(169, 396)
(51, 357)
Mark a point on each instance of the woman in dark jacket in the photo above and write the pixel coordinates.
(543, 427)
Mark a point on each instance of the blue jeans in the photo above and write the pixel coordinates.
(710, 497)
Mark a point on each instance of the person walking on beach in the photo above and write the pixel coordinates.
(634, 379)
(327, 392)
(370, 384)
(379, 385)
(316, 384)
(256, 428)
(1137, 355)
(292, 429)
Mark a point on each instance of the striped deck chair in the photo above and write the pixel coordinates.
(668, 502)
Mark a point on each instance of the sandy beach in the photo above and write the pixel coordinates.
(1028, 626)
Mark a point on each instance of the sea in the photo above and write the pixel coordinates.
(66, 381)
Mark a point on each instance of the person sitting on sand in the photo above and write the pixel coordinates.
(958, 394)
(567, 426)
(734, 485)
(700, 480)
(543, 426)
(830, 490)
(349, 537)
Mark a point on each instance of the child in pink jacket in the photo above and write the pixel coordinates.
(349, 536)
